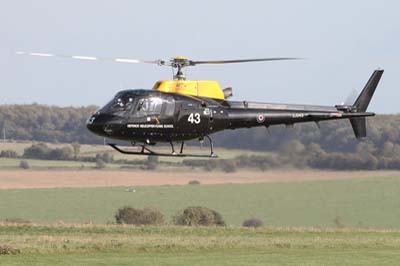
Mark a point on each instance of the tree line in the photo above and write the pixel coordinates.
(46, 123)
(68, 124)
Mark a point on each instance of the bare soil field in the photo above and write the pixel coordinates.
(10, 179)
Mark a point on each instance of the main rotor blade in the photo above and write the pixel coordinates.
(242, 60)
(93, 58)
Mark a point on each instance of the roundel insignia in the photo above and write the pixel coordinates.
(260, 118)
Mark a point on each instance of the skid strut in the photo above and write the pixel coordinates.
(212, 154)
(146, 151)
(172, 147)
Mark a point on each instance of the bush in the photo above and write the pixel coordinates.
(64, 153)
(77, 149)
(100, 164)
(7, 250)
(37, 151)
(146, 216)
(8, 154)
(194, 182)
(24, 165)
(42, 151)
(229, 166)
(105, 157)
(151, 163)
(253, 222)
(218, 220)
(198, 216)
(210, 165)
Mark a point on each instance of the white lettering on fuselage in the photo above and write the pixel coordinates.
(299, 115)
(150, 126)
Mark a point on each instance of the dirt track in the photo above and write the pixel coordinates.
(92, 178)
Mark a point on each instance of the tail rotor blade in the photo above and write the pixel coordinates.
(351, 98)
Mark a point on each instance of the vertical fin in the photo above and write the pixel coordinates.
(359, 127)
(363, 100)
(359, 124)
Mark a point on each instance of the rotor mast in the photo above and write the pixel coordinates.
(179, 63)
(179, 74)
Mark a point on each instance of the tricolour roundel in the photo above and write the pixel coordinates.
(260, 118)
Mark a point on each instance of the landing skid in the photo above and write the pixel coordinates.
(146, 151)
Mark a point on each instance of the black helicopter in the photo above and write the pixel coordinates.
(179, 110)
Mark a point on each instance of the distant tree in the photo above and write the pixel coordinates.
(100, 164)
(210, 165)
(105, 157)
(151, 163)
(293, 147)
(24, 165)
(229, 166)
(8, 154)
(37, 151)
(76, 148)
(64, 153)
(366, 147)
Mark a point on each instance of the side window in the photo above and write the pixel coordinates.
(169, 106)
(148, 106)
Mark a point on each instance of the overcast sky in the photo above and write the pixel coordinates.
(342, 41)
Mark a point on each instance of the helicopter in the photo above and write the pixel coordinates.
(179, 110)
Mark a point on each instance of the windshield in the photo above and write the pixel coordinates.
(128, 104)
(119, 105)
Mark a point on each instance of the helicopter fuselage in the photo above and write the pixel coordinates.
(150, 116)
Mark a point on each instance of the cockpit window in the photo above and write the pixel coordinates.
(128, 104)
(169, 106)
(119, 105)
(148, 106)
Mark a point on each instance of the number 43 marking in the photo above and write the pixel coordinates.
(194, 118)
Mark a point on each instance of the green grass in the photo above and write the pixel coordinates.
(40, 164)
(372, 202)
(114, 245)
(309, 206)
(92, 150)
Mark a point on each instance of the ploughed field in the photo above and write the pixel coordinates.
(59, 178)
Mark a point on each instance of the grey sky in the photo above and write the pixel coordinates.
(343, 41)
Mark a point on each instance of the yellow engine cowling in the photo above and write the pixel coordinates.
(202, 88)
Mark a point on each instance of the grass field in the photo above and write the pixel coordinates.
(131, 162)
(115, 245)
(92, 150)
(369, 202)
